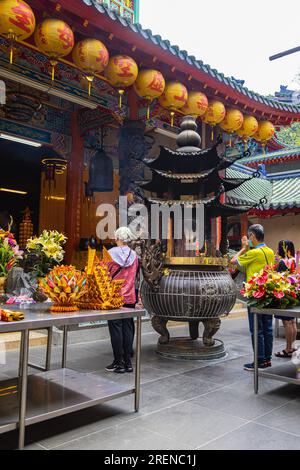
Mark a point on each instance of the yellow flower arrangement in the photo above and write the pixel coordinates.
(48, 249)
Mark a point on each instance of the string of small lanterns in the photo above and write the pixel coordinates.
(55, 39)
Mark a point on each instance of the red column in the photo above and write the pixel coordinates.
(244, 225)
(74, 189)
(219, 225)
(133, 105)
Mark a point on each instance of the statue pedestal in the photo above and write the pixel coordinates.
(188, 349)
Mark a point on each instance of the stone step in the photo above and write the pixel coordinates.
(12, 340)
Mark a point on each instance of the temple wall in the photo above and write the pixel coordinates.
(281, 227)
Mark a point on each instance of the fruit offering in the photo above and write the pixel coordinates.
(64, 285)
(103, 293)
(11, 315)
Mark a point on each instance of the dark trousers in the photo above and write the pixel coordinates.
(122, 336)
(265, 335)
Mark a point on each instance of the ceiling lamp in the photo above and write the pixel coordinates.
(19, 140)
(53, 166)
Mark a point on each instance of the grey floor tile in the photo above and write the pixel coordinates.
(252, 436)
(150, 402)
(190, 424)
(239, 399)
(171, 365)
(279, 392)
(125, 437)
(180, 387)
(221, 374)
(35, 447)
(286, 418)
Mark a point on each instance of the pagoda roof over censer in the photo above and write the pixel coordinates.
(163, 180)
(193, 162)
(185, 176)
(227, 210)
(191, 202)
(190, 176)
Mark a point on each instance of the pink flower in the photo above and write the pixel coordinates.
(243, 291)
(262, 280)
(259, 294)
(292, 279)
(279, 295)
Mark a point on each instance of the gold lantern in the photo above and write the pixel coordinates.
(174, 98)
(265, 132)
(55, 39)
(196, 105)
(17, 22)
(248, 129)
(150, 84)
(121, 72)
(91, 56)
(214, 115)
(233, 121)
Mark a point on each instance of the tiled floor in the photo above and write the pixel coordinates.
(184, 405)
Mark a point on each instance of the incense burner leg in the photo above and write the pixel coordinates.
(160, 326)
(194, 329)
(210, 329)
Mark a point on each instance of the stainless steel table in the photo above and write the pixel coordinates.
(30, 399)
(284, 372)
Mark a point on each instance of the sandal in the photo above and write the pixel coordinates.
(284, 354)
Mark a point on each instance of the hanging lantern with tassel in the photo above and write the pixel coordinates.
(121, 72)
(196, 104)
(174, 98)
(233, 121)
(91, 56)
(149, 85)
(214, 115)
(248, 129)
(55, 39)
(265, 132)
(17, 22)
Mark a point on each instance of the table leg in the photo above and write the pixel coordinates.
(20, 354)
(49, 348)
(23, 387)
(255, 340)
(64, 347)
(138, 365)
(276, 328)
